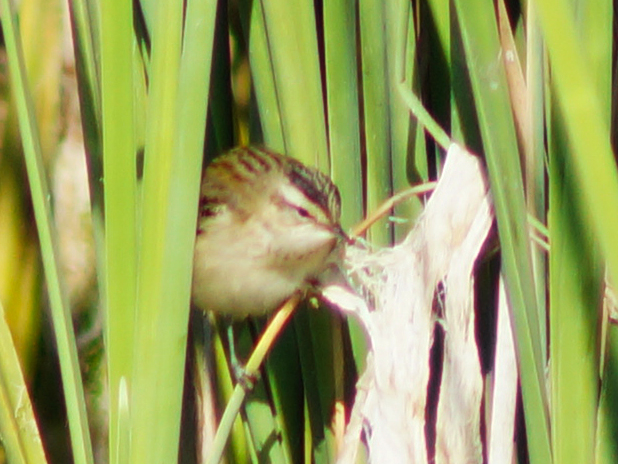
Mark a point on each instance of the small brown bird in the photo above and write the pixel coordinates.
(268, 225)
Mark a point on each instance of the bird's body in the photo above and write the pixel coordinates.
(268, 225)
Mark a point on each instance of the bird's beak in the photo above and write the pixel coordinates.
(340, 233)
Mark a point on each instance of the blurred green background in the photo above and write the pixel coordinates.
(96, 95)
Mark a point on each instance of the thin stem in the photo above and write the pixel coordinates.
(361, 228)
(251, 370)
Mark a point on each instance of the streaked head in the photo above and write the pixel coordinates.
(266, 217)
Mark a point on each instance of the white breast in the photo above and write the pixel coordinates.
(250, 268)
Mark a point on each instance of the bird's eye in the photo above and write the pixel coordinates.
(302, 212)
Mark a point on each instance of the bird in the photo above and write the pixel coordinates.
(268, 226)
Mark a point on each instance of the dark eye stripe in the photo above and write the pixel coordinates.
(251, 161)
(317, 187)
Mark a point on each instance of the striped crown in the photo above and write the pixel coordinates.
(241, 164)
